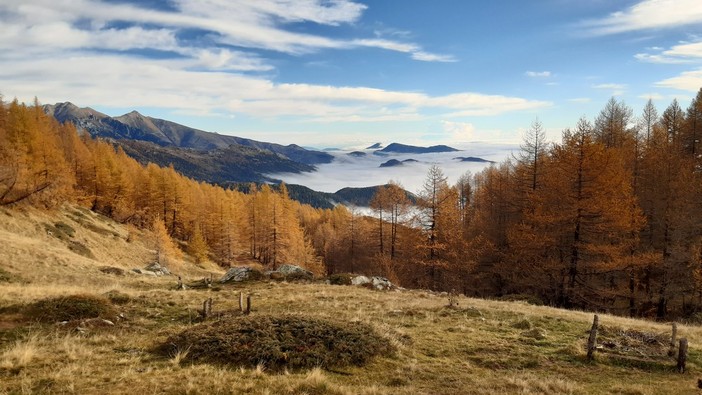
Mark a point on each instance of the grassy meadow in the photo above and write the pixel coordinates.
(474, 347)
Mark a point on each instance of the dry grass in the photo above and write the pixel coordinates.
(478, 348)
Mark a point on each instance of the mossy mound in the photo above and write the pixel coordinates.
(278, 342)
(69, 308)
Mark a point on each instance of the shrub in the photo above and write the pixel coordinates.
(340, 279)
(80, 249)
(72, 307)
(291, 342)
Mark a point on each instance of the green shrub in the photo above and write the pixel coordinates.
(72, 307)
(291, 342)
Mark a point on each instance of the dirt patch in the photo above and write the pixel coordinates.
(291, 342)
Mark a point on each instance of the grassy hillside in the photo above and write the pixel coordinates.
(478, 346)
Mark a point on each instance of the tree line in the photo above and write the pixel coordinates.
(609, 218)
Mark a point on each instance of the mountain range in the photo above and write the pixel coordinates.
(228, 161)
(135, 126)
(397, 148)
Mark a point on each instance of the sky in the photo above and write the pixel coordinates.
(346, 73)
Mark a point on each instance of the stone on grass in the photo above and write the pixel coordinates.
(360, 280)
(239, 274)
(157, 269)
(294, 272)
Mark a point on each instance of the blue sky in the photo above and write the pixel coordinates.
(342, 72)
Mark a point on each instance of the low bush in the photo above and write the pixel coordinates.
(72, 307)
(291, 342)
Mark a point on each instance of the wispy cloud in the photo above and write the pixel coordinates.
(652, 96)
(648, 14)
(413, 49)
(538, 74)
(685, 52)
(617, 89)
(610, 86)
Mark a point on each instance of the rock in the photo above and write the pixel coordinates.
(381, 283)
(137, 271)
(157, 269)
(242, 273)
(360, 280)
(294, 272)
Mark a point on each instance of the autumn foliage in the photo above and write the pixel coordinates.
(609, 218)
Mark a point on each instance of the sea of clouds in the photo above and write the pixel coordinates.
(350, 171)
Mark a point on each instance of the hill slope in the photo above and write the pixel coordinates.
(136, 126)
(477, 346)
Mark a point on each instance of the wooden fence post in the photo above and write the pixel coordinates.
(241, 302)
(682, 355)
(671, 349)
(248, 304)
(592, 340)
(206, 308)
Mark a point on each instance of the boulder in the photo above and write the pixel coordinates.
(381, 283)
(360, 280)
(157, 269)
(294, 272)
(238, 274)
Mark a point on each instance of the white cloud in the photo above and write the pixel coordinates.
(685, 52)
(648, 14)
(458, 131)
(95, 79)
(686, 81)
(538, 74)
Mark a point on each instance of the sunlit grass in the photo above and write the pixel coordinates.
(481, 347)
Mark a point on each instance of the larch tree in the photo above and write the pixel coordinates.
(588, 215)
(693, 127)
(612, 124)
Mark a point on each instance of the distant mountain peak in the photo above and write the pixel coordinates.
(413, 149)
(375, 146)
